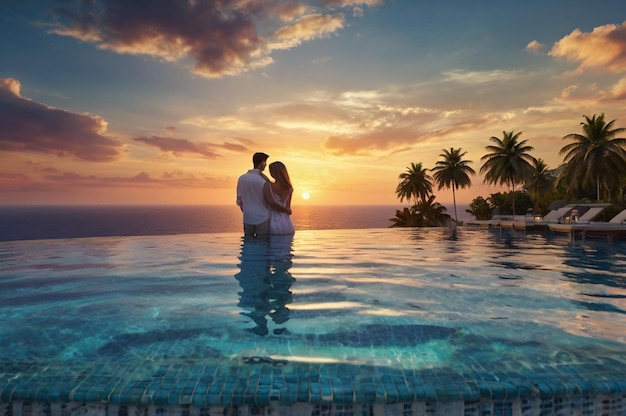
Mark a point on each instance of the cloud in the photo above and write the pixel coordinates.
(403, 134)
(223, 37)
(619, 90)
(481, 77)
(27, 126)
(350, 3)
(183, 146)
(535, 47)
(63, 181)
(322, 60)
(592, 95)
(604, 48)
(290, 10)
(390, 128)
(358, 12)
(306, 28)
(368, 142)
(13, 181)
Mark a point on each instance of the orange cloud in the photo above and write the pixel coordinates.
(306, 28)
(535, 47)
(619, 90)
(142, 180)
(28, 126)
(400, 133)
(223, 37)
(350, 3)
(183, 146)
(589, 95)
(289, 10)
(178, 146)
(603, 48)
(369, 142)
(13, 181)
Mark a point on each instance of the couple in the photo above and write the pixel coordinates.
(266, 205)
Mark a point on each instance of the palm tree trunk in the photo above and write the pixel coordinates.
(513, 196)
(456, 218)
(537, 199)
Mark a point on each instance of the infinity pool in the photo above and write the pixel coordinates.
(333, 322)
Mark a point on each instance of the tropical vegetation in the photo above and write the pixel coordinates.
(540, 182)
(595, 157)
(453, 172)
(594, 166)
(508, 161)
(415, 183)
(480, 208)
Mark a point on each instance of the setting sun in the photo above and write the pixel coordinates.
(306, 195)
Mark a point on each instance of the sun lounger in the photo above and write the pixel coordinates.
(611, 229)
(591, 214)
(619, 218)
(556, 214)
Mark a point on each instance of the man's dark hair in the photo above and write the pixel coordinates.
(258, 158)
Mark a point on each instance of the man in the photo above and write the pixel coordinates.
(251, 199)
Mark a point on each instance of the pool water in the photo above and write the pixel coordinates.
(343, 322)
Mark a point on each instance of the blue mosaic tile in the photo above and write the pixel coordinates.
(430, 393)
(7, 392)
(226, 396)
(364, 393)
(237, 397)
(161, 397)
(391, 392)
(200, 399)
(346, 391)
(440, 391)
(92, 397)
(303, 391)
(326, 389)
(18, 391)
(289, 396)
(55, 395)
(315, 393)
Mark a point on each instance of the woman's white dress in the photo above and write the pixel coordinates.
(280, 222)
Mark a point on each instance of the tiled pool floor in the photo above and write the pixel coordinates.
(346, 322)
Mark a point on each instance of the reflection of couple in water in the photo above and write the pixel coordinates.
(265, 282)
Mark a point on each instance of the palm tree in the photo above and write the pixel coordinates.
(509, 162)
(431, 213)
(414, 183)
(597, 155)
(453, 172)
(539, 181)
(404, 218)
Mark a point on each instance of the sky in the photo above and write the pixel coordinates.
(165, 101)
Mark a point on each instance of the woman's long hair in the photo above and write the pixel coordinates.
(279, 172)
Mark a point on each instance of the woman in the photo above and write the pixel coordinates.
(279, 191)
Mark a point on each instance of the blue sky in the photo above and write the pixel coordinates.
(165, 101)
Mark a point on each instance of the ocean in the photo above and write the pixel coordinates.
(54, 222)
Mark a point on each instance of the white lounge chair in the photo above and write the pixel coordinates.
(557, 214)
(614, 227)
(619, 218)
(591, 214)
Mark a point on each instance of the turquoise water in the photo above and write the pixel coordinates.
(342, 316)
